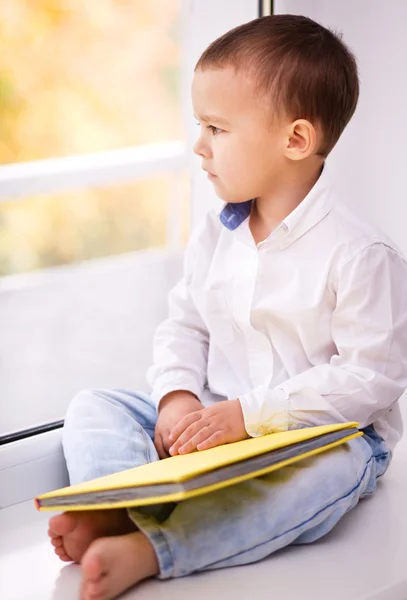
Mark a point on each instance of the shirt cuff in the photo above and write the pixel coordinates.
(165, 385)
(265, 411)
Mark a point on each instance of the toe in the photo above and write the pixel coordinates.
(57, 542)
(62, 554)
(62, 524)
(92, 565)
(94, 583)
(112, 565)
(88, 593)
(64, 557)
(52, 534)
(97, 590)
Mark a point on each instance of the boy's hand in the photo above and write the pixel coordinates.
(173, 407)
(221, 423)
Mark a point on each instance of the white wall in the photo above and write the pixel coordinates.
(82, 326)
(370, 161)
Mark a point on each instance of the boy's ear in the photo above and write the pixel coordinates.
(301, 140)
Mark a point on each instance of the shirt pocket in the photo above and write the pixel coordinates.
(216, 314)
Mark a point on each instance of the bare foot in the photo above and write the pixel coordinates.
(72, 532)
(112, 565)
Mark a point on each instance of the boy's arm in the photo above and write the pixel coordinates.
(369, 371)
(180, 342)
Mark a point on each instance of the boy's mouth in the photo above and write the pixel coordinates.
(210, 175)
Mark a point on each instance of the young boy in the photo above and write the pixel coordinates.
(291, 313)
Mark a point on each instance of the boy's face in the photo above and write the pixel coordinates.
(240, 148)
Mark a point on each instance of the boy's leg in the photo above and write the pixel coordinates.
(249, 521)
(104, 432)
(107, 431)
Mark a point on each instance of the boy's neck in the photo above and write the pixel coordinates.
(269, 211)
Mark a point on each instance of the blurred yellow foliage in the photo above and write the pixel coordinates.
(79, 77)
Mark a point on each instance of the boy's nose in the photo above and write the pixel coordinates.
(201, 149)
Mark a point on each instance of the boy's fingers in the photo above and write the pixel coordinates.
(159, 446)
(187, 435)
(183, 424)
(193, 443)
(216, 439)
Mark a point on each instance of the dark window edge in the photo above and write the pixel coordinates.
(16, 436)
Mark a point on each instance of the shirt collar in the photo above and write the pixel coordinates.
(308, 213)
(235, 213)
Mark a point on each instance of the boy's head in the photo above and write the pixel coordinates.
(271, 95)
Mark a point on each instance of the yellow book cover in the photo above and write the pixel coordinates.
(184, 476)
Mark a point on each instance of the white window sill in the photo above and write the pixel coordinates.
(30, 467)
(362, 559)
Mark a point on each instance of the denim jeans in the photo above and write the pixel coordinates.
(111, 430)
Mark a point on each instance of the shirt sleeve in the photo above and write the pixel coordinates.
(368, 373)
(180, 348)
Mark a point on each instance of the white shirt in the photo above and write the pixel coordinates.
(306, 328)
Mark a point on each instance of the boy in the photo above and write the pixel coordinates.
(291, 313)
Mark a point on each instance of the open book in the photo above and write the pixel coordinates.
(184, 476)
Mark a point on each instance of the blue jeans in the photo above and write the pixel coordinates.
(109, 431)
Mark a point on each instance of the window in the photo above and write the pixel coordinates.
(82, 78)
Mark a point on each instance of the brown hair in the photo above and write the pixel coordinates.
(306, 69)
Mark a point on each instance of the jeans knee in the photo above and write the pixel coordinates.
(351, 468)
(83, 404)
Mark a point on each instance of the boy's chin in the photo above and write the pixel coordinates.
(230, 197)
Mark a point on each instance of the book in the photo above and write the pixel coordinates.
(184, 476)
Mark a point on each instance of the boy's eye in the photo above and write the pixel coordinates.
(215, 130)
